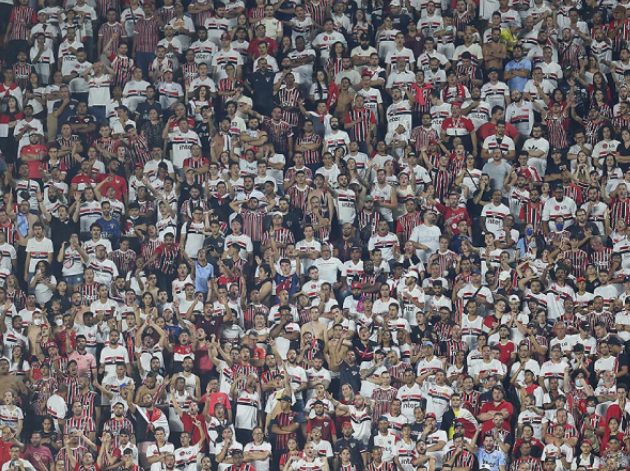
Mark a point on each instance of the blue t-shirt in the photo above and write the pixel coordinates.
(518, 83)
(290, 283)
(111, 229)
(490, 460)
(202, 275)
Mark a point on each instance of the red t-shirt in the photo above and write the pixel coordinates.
(272, 47)
(506, 351)
(61, 339)
(80, 178)
(217, 398)
(460, 124)
(327, 424)
(504, 405)
(117, 183)
(5, 456)
(257, 353)
(452, 217)
(203, 363)
(33, 165)
(489, 129)
(189, 426)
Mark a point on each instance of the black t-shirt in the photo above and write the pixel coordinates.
(61, 231)
(417, 334)
(623, 360)
(262, 84)
(134, 242)
(221, 207)
(475, 209)
(217, 243)
(363, 352)
(86, 138)
(345, 247)
(143, 110)
(69, 111)
(203, 131)
(262, 283)
(143, 433)
(554, 168)
(54, 438)
(401, 22)
(356, 448)
(292, 221)
(416, 430)
(349, 375)
(184, 192)
(578, 231)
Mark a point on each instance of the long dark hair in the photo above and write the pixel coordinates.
(318, 85)
(21, 362)
(605, 167)
(151, 304)
(604, 87)
(333, 52)
(29, 86)
(46, 267)
(197, 92)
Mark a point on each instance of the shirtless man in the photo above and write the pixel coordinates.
(344, 100)
(335, 349)
(9, 382)
(151, 386)
(317, 328)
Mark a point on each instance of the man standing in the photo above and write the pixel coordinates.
(425, 237)
(284, 426)
(260, 83)
(489, 455)
(146, 37)
(360, 123)
(36, 453)
(279, 131)
(459, 126)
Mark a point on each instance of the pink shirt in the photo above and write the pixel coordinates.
(85, 363)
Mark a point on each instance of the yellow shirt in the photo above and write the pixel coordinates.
(506, 38)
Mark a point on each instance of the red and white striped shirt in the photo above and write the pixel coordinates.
(107, 31)
(147, 34)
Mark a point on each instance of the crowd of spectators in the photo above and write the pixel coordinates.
(314, 235)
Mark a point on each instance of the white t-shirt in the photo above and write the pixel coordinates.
(110, 356)
(57, 408)
(38, 250)
(251, 447)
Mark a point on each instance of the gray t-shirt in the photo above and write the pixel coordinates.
(497, 173)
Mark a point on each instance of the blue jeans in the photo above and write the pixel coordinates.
(143, 60)
(74, 280)
(298, 407)
(99, 113)
(31, 274)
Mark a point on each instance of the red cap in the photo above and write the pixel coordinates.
(457, 104)
(430, 414)
(225, 36)
(356, 285)
(580, 279)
